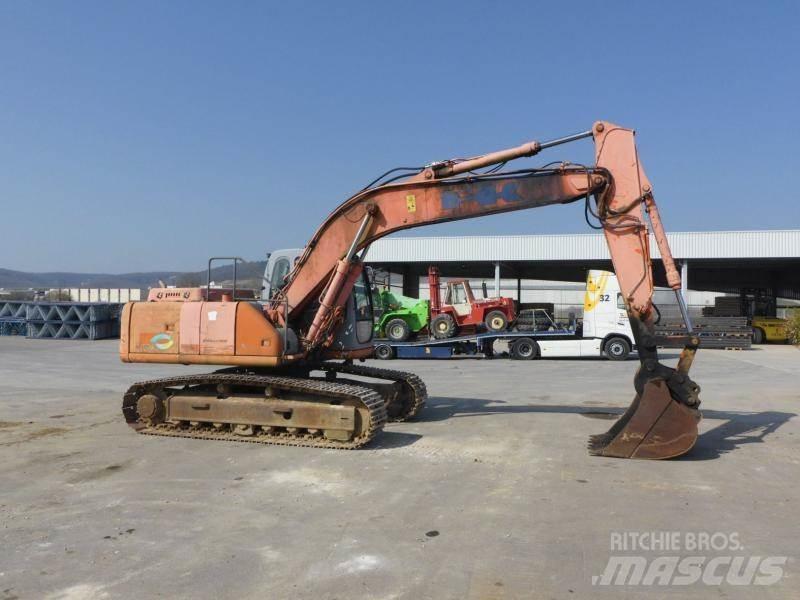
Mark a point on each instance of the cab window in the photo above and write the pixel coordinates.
(620, 301)
(363, 301)
(279, 272)
(459, 294)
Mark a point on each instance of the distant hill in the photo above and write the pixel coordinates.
(248, 274)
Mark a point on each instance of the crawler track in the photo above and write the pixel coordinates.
(368, 401)
(400, 406)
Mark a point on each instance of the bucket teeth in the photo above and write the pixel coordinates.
(600, 441)
(654, 427)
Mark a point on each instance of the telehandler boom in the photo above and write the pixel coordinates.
(324, 313)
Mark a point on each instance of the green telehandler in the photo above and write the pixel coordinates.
(401, 316)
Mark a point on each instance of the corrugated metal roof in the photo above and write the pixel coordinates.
(685, 245)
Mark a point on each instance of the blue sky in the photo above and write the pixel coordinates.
(149, 135)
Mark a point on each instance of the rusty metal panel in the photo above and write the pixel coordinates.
(207, 359)
(255, 335)
(261, 411)
(153, 327)
(218, 328)
(175, 295)
(190, 327)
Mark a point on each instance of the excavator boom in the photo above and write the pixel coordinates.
(427, 201)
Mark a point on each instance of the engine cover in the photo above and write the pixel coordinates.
(223, 333)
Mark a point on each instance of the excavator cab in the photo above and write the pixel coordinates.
(357, 313)
(359, 319)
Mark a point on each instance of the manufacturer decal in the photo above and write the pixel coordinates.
(162, 341)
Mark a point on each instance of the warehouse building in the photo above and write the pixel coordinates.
(761, 265)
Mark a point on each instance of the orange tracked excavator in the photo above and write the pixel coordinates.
(321, 318)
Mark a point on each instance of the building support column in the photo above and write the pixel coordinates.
(497, 279)
(684, 277)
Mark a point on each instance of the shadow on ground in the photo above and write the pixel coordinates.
(739, 427)
(392, 439)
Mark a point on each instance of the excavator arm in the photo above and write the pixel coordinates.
(662, 420)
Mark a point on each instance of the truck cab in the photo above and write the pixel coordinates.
(605, 330)
(605, 318)
(279, 264)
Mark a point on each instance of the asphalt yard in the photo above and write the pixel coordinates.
(489, 494)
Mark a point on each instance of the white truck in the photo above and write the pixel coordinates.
(606, 330)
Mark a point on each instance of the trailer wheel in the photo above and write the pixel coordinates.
(617, 348)
(443, 326)
(524, 349)
(397, 330)
(496, 321)
(384, 352)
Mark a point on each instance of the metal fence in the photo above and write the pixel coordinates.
(60, 320)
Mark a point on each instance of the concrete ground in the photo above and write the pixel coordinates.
(489, 495)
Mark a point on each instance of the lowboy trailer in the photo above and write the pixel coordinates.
(522, 345)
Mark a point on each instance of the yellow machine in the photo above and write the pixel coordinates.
(769, 329)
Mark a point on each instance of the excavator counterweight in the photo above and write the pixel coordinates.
(320, 319)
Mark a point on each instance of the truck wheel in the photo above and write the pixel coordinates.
(524, 349)
(496, 321)
(758, 335)
(617, 348)
(443, 326)
(384, 352)
(397, 330)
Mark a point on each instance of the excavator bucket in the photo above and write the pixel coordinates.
(655, 426)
